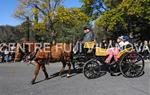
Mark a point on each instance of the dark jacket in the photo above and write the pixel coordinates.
(88, 37)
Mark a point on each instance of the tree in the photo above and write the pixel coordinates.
(70, 23)
(40, 12)
(10, 33)
(46, 15)
(110, 4)
(128, 16)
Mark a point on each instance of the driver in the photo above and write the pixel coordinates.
(88, 37)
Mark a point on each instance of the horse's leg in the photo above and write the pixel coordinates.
(62, 69)
(36, 72)
(69, 69)
(45, 72)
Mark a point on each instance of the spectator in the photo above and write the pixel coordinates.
(110, 43)
(145, 50)
(1, 54)
(140, 47)
(6, 54)
(104, 44)
(149, 50)
(12, 52)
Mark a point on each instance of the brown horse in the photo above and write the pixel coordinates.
(60, 52)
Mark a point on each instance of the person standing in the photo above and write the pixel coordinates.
(145, 50)
(6, 53)
(1, 54)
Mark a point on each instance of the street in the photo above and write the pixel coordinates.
(15, 80)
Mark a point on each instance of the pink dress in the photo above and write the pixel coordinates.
(112, 52)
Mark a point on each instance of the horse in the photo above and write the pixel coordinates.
(58, 52)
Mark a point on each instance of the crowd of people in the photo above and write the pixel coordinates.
(143, 48)
(7, 53)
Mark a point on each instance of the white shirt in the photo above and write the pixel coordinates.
(122, 44)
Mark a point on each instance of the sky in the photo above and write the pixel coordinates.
(7, 8)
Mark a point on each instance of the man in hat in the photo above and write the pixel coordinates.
(88, 37)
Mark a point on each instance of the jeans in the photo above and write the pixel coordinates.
(7, 58)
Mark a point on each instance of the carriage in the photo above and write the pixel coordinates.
(130, 64)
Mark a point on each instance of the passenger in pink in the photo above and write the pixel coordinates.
(114, 51)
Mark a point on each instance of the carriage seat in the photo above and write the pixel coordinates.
(89, 45)
(103, 52)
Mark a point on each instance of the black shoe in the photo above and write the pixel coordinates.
(33, 82)
(46, 77)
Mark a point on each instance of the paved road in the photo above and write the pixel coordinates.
(15, 80)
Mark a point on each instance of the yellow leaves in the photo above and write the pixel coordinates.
(132, 7)
(43, 16)
(72, 16)
(40, 26)
(35, 10)
(49, 14)
(110, 19)
(44, 5)
(61, 10)
(88, 2)
(122, 15)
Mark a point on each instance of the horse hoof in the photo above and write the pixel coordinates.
(33, 82)
(68, 75)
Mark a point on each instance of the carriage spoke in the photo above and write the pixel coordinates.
(92, 69)
(133, 65)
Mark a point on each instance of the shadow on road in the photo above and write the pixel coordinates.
(64, 74)
(76, 72)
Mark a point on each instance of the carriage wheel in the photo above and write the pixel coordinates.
(92, 69)
(78, 65)
(79, 62)
(131, 65)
